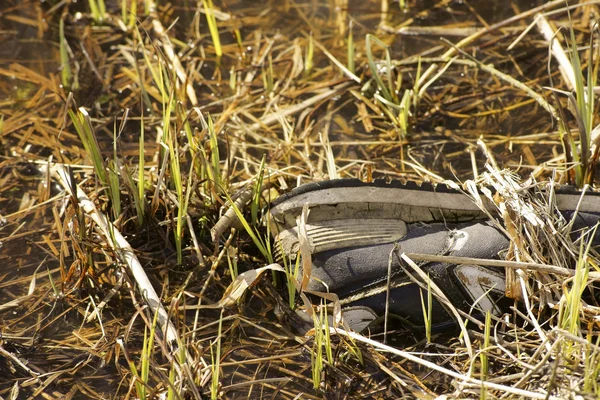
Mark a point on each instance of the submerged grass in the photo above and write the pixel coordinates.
(216, 121)
(97, 10)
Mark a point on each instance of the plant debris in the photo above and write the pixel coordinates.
(141, 143)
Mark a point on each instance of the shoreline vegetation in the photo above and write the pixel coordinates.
(142, 141)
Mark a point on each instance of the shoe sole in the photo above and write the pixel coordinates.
(349, 212)
(439, 198)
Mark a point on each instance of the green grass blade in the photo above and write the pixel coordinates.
(141, 198)
(216, 361)
(66, 75)
(82, 123)
(256, 192)
(212, 26)
(258, 242)
(374, 70)
(309, 56)
(351, 49)
(214, 153)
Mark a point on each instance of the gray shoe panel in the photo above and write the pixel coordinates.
(348, 270)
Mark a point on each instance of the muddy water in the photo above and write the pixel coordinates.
(29, 37)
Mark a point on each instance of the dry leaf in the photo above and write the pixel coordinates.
(239, 286)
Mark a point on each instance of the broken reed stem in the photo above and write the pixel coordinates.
(551, 269)
(441, 295)
(230, 217)
(564, 64)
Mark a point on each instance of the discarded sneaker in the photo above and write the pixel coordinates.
(357, 232)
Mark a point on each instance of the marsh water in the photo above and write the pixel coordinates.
(460, 107)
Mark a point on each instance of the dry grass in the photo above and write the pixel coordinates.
(281, 106)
